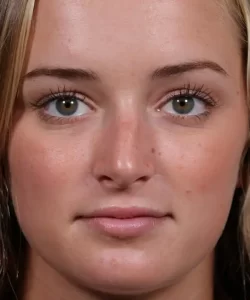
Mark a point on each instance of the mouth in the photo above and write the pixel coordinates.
(124, 223)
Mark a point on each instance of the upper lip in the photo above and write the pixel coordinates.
(125, 213)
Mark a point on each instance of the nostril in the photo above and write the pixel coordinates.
(143, 178)
(104, 178)
(110, 183)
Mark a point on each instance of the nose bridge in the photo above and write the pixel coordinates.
(128, 147)
(127, 135)
(125, 156)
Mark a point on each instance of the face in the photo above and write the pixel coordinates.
(129, 133)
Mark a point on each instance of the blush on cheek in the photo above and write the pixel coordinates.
(205, 179)
(41, 173)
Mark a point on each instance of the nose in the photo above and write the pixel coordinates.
(124, 156)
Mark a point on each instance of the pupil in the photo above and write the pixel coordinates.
(183, 102)
(183, 105)
(67, 107)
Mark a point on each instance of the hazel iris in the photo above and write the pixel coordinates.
(183, 105)
(67, 107)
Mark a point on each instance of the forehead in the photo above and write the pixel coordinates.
(131, 33)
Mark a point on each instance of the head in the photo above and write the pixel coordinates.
(151, 115)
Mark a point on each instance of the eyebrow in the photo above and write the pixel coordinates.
(63, 73)
(178, 69)
(163, 72)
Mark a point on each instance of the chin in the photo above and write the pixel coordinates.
(126, 281)
(123, 286)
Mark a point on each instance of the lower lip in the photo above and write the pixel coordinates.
(124, 228)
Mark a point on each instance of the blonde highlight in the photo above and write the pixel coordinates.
(15, 24)
(15, 27)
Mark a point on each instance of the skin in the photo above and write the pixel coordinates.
(127, 150)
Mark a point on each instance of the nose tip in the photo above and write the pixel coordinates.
(123, 170)
(123, 179)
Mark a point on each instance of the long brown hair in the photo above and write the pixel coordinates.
(232, 262)
(15, 22)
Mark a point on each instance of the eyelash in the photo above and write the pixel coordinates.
(53, 96)
(198, 92)
(64, 93)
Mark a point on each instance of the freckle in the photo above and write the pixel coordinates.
(188, 192)
(113, 262)
(153, 150)
(159, 153)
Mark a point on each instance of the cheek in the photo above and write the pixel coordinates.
(203, 172)
(46, 171)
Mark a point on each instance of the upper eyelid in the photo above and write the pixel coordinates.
(47, 99)
(194, 93)
(205, 94)
(54, 95)
(189, 89)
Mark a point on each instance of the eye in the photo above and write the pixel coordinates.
(66, 106)
(184, 105)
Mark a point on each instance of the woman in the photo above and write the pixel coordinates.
(124, 149)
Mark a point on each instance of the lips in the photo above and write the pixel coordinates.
(124, 223)
(125, 213)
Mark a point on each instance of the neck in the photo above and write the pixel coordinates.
(42, 282)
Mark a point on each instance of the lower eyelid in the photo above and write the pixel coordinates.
(194, 120)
